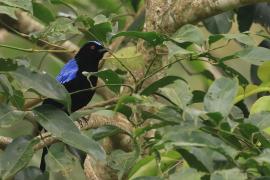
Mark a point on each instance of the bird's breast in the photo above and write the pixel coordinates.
(80, 90)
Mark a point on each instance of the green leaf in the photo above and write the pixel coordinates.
(16, 156)
(15, 96)
(159, 84)
(41, 83)
(125, 109)
(254, 55)
(43, 13)
(190, 137)
(260, 120)
(60, 160)
(208, 75)
(84, 21)
(192, 160)
(9, 116)
(56, 1)
(179, 93)
(7, 64)
(10, 11)
(215, 117)
(233, 73)
(210, 157)
(240, 37)
(166, 114)
(17, 99)
(129, 56)
(214, 38)
(155, 126)
(58, 30)
(148, 178)
(147, 166)
(261, 105)
(31, 173)
(187, 174)
(263, 157)
(5, 85)
(263, 72)
(152, 38)
(189, 33)
(200, 150)
(248, 130)
(48, 115)
(85, 144)
(110, 77)
(220, 23)
(229, 174)
(22, 4)
(175, 50)
(107, 5)
(198, 96)
(100, 19)
(104, 131)
(60, 125)
(126, 100)
(100, 31)
(122, 161)
(68, 4)
(250, 90)
(228, 138)
(220, 96)
(105, 112)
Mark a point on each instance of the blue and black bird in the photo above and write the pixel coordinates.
(87, 59)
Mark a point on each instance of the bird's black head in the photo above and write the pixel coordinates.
(90, 54)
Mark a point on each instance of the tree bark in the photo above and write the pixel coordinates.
(167, 16)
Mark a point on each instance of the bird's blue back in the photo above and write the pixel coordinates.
(68, 72)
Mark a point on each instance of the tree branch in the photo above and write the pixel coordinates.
(169, 15)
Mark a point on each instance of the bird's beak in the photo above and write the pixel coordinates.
(103, 50)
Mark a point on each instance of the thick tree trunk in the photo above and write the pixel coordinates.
(169, 15)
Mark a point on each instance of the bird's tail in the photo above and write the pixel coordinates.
(42, 166)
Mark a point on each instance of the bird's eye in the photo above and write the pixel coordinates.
(93, 47)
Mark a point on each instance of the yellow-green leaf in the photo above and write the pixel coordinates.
(262, 104)
(128, 56)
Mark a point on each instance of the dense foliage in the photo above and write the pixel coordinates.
(213, 128)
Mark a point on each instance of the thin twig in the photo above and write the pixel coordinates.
(102, 86)
(160, 69)
(31, 50)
